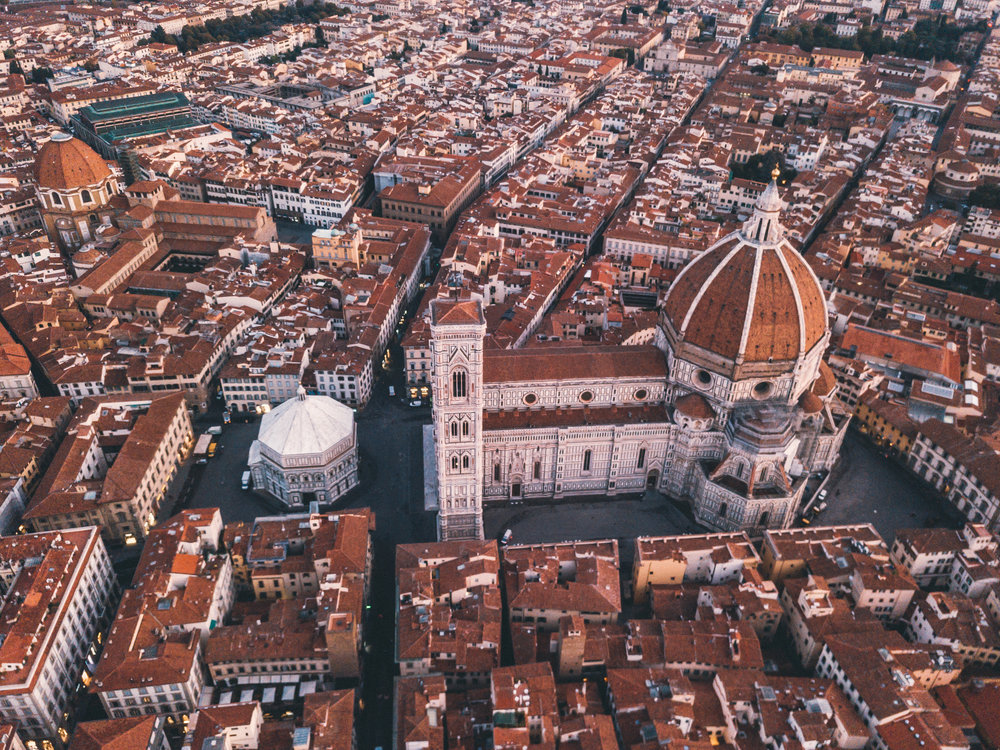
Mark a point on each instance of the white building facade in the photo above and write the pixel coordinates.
(57, 586)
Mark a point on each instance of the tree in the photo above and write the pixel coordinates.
(41, 75)
(623, 53)
(320, 36)
(930, 38)
(624, 18)
(158, 35)
(987, 196)
(257, 23)
(759, 167)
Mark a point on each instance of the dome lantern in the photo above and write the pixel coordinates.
(765, 224)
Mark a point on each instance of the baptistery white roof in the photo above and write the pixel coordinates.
(306, 425)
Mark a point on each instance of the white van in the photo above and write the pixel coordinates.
(246, 480)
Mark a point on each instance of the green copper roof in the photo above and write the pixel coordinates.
(137, 105)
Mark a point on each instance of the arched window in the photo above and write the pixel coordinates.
(454, 429)
(459, 384)
(762, 521)
(465, 462)
(586, 460)
(723, 509)
(465, 428)
(538, 470)
(85, 196)
(642, 459)
(454, 462)
(56, 199)
(496, 472)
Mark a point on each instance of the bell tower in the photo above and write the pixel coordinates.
(457, 332)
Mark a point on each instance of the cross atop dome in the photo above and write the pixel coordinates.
(764, 226)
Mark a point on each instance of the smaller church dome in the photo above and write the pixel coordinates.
(810, 403)
(67, 163)
(306, 425)
(695, 405)
(825, 381)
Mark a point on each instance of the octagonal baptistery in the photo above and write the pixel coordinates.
(746, 320)
(306, 450)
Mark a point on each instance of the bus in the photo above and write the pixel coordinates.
(201, 447)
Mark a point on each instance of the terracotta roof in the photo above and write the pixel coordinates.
(748, 302)
(573, 363)
(810, 403)
(330, 715)
(981, 703)
(904, 353)
(132, 733)
(65, 163)
(695, 405)
(825, 382)
(468, 312)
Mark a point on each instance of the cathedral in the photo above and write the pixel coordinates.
(730, 409)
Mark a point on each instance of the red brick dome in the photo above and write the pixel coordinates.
(750, 297)
(67, 163)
